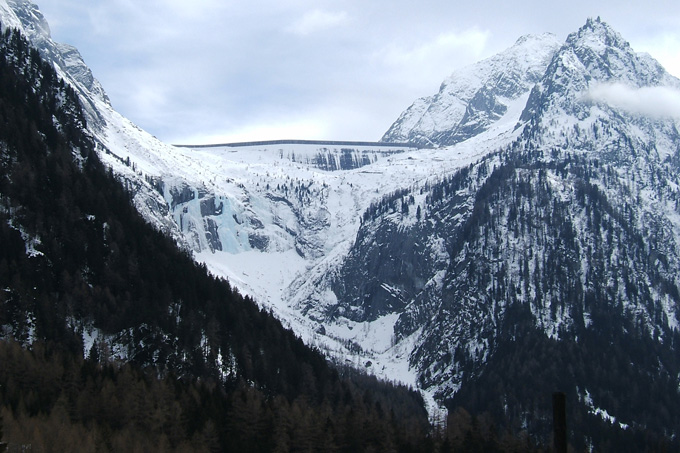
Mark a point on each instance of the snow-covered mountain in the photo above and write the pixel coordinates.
(262, 216)
(548, 223)
(567, 239)
(473, 98)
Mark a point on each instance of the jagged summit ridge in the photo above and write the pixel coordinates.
(607, 56)
(476, 97)
(569, 98)
(473, 98)
(595, 54)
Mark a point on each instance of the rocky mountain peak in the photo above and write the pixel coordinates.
(606, 56)
(35, 25)
(595, 30)
(26, 16)
(595, 55)
(526, 237)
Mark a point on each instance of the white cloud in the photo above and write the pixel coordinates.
(440, 48)
(427, 64)
(260, 129)
(317, 20)
(648, 101)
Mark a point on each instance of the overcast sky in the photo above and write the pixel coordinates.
(209, 71)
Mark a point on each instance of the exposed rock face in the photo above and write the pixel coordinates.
(65, 57)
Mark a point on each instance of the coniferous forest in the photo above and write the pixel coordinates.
(204, 369)
(617, 362)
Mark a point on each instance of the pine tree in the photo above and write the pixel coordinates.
(3, 446)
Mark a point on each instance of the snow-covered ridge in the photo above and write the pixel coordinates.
(474, 97)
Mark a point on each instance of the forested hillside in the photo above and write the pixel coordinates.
(568, 297)
(532, 272)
